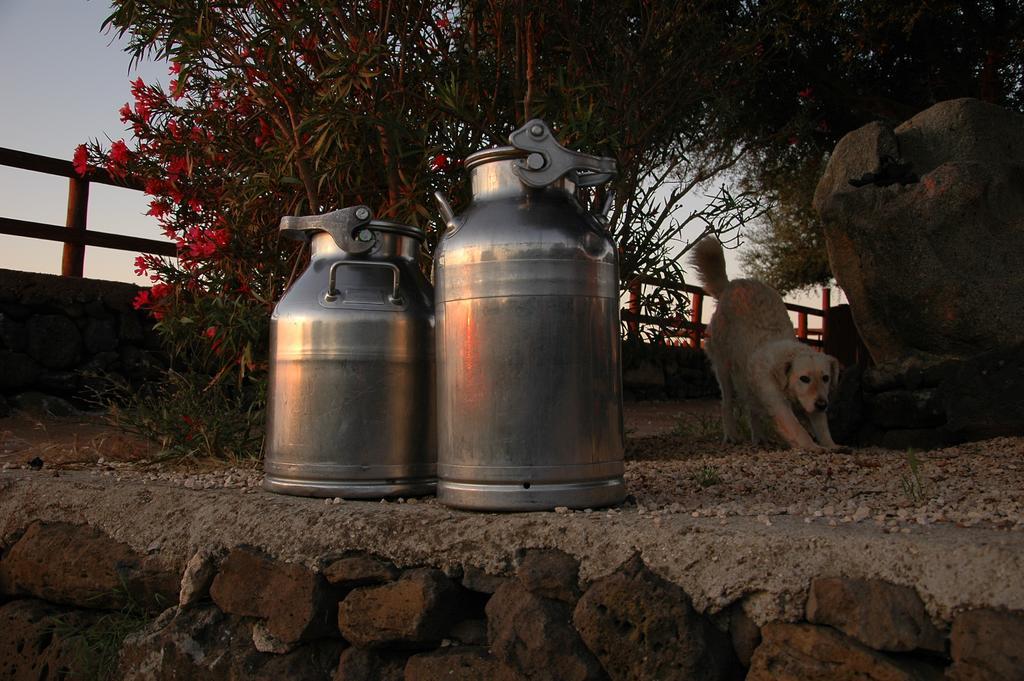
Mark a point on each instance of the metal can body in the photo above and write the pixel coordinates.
(351, 389)
(529, 384)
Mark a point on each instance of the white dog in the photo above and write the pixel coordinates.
(779, 382)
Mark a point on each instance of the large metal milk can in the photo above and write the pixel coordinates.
(351, 396)
(528, 358)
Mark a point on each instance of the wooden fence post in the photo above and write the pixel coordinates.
(635, 291)
(826, 305)
(73, 261)
(696, 313)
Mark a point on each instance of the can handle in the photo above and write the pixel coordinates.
(332, 289)
(451, 221)
(548, 161)
(345, 225)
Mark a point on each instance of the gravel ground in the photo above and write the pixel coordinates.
(676, 465)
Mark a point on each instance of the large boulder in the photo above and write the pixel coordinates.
(924, 225)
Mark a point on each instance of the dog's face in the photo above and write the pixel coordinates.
(810, 378)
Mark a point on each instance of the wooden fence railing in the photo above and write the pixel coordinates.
(692, 330)
(75, 235)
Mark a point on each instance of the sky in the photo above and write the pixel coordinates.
(62, 82)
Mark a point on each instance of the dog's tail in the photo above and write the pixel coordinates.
(709, 259)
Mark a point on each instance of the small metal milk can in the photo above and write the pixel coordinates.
(351, 396)
(529, 394)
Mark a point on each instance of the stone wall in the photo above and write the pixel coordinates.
(239, 613)
(925, 402)
(58, 333)
(652, 371)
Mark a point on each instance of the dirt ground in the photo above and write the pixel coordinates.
(675, 462)
(84, 439)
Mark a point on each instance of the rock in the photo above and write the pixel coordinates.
(359, 569)
(200, 643)
(641, 626)
(104, 573)
(846, 406)
(41, 404)
(266, 642)
(65, 383)
(198, 576)
(13, 336)
(745, 634)
(880, 615)
(294, 600)
(470, 632)
(203, 643)
(534, 636)
(644, 378)
(19, 371)
(475, 579)
(315, 661)
(130, 327)
(102, 361)
(805, 652)
(465, 663)
(986, 646)
(905, 409)
(34, 643)
(414, 611)
(359, 664)
(137, 364)
(550, 573)
(931, 266)
(53, 341)
(99, 335)
(982, 395)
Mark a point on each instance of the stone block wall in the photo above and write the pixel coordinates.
(58, 333)
(666, 372)
(239, 613)
(923, 403)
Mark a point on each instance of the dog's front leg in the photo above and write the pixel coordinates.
(789, 427)
(819, 424)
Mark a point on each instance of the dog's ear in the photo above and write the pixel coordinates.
(782, 366)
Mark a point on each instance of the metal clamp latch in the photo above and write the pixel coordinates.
(549, 161)
(347, 226)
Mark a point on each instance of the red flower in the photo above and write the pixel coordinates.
(142, 298)
(439, 163)
(81, 159)
(175, 68)
(142, 109)
(119, 153)
(141, 266)
(792, 140)
(806, 93)
(160, 291)
(126, 112)
(442, 23)
(158, 209)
